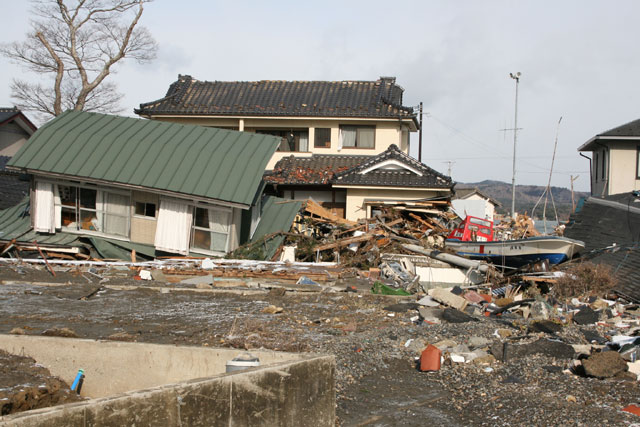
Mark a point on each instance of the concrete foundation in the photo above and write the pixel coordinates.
(151, 384)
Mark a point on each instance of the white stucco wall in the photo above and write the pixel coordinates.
(388, 131)
(623, 163)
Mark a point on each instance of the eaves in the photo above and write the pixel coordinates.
(131, 187)
(587, 145)
(280, 118)
(381, 187)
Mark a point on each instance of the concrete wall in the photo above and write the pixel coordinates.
(387, 132)
(149, 384)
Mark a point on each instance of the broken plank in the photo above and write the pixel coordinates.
(315, 209)
(345, 242)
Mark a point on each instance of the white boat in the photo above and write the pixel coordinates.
(516, 253)
(474, 240)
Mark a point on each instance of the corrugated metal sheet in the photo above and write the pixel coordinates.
(192, 160)
(276, 216)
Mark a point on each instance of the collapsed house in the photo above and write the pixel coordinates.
(359, 186)
(140, 185)
(610, 228)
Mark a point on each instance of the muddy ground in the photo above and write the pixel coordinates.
(25, 385)
(377, 382)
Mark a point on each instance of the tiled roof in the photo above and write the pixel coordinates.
(319, 169)
(7, 113)
(13, 113)
(602, 222)
(316, 169)
(399, 177)
(13, 188)
(627, 129)
(464, 192)
(371, 99)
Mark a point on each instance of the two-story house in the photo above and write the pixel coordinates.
(328, 130)
(615, 161)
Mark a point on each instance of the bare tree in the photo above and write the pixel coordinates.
(77, 43)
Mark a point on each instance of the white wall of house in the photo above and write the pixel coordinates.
(615, 167)
(478, 207)
(131, 215)
(623, 170)
(387, 132)
(12, 138)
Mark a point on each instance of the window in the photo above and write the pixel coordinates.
(146, 209)
(94, 210)
(358, 136)
(292, 140)
(638, 162)
(322, 138)
(210, 229)
(604, 164)
(595, 162)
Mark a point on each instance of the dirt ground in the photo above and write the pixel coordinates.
(26, 385)
(377, 382)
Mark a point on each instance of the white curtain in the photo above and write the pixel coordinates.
(366, 137)
(174, 223)
(116, 216)
(43, 210)
(219, 226)
(347, 137)
(57, 206)
(304, 142)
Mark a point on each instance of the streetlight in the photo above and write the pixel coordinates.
(516, 77)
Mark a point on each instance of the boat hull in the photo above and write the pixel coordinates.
(516, 253)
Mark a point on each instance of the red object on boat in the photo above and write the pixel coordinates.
(633, 409)
(430, 358)
(474, 229)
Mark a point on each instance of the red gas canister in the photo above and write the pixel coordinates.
(430, 358)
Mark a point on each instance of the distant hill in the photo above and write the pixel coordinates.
(526, 197)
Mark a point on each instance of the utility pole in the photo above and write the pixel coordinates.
(420, 136)
(573, 201)
(449, 164)
(516, 77)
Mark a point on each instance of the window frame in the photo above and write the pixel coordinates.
(359, 128)
(296, 133)
(100, 195)
(193, 228)
(315, 138)
(145, 216)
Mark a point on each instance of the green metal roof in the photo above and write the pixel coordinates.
(191, 160)
(277, 215)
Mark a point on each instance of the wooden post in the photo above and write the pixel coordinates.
(573, 201)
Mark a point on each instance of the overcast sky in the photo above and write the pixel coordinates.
(578, 59)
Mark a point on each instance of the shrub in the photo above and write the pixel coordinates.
(585, 279)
